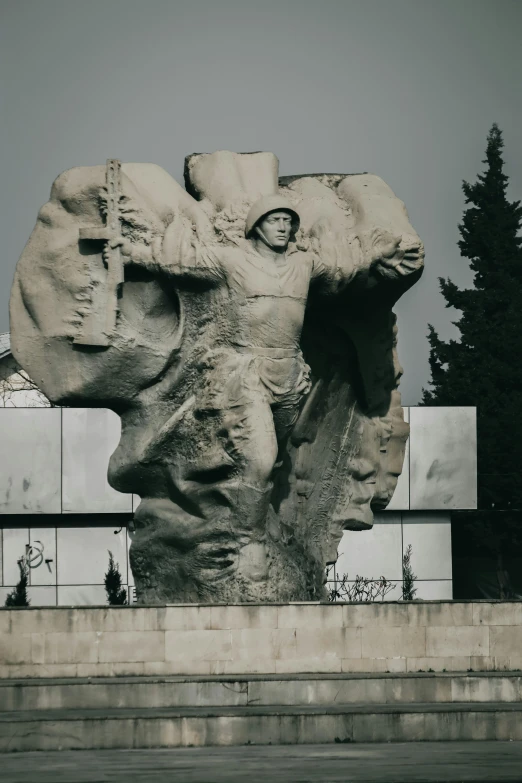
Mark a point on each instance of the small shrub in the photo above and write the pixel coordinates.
(408, 577)
(361, 590)
(116, 594)
(18, 596)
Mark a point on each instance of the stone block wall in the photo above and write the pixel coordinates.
(277, 639)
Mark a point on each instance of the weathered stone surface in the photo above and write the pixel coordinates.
(285, 639)
(394, 642)
(457, 640)
(243, 331)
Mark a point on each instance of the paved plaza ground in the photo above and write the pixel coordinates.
(371, 763)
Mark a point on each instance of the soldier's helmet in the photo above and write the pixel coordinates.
(264, 206)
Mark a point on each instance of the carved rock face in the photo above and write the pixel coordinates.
(258, 400)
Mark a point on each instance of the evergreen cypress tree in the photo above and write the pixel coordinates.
(408, 577)
(484, 368)
(18, 596)
(116, 594)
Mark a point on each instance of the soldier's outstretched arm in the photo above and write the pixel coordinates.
(375, 267)
(187, 252)
(389, 255)
(337, 257)
(380, 249)
(184, 252)
(391, 249)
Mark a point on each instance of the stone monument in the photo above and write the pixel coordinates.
(242, 328)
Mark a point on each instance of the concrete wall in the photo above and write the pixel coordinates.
(442, 458)
(67, 564)
(291, 638)
(30, 461)
(379, 552)
(55, 461)
(440, 466)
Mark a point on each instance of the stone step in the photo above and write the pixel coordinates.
(260, 690)
(205, 726)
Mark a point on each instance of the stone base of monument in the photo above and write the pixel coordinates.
(229, 675)
(159, 713)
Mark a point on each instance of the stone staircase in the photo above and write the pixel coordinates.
(177, 711)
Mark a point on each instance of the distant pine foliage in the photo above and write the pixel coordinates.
(116, 594)
(484, 368)
(18, 596)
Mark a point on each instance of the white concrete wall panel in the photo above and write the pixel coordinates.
(15, 541)
(401, 497)
(82, 595)
(83, 554)
(443, 458)
(90, 436)
(30, 461)
(430, 539)
(42, 555)
(130, 577)
(434, 590)
(373, 553)
(42, 596)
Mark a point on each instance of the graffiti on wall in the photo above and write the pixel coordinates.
(34, 556)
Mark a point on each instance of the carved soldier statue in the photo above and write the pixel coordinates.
(249, 350)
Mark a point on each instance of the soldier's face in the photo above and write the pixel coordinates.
(276, 228)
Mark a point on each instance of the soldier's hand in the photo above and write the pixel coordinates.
(390, 259)
(385, 247)
(131, 252)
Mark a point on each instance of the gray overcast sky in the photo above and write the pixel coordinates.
(406, 89)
